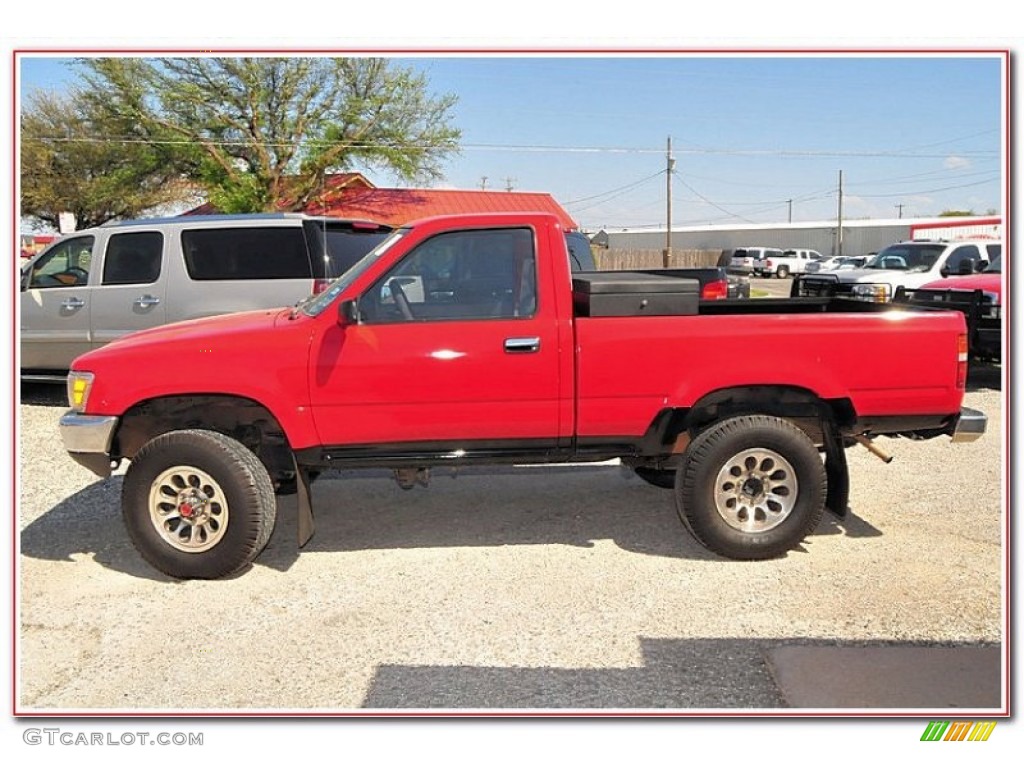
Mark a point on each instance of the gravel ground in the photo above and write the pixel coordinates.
(571, 587)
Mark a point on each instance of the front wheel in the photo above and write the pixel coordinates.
(198, 504)
(752, 488)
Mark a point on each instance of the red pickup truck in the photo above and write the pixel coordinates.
(466, 340)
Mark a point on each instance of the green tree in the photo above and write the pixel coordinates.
(69, 164)
(261, 133)
(953, 213)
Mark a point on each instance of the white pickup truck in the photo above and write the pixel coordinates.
(906, 265)
(792, 261)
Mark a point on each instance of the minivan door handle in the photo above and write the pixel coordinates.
(147, 301)
(72, 303)
(522, 344)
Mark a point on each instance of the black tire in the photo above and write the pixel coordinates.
(662, 478)
(782, 272)
(753, 487)
(198, 504)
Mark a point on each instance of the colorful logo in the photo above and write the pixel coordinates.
(958, 730)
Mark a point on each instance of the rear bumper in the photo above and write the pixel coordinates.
(969, 426)
(88, 439)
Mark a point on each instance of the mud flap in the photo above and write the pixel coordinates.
(837, 472)
(304, 502)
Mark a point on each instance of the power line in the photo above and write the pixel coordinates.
(940, 189)
(710, 202)
(530, 148)
(624, 188)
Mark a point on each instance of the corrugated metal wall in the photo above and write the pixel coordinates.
(857, 240)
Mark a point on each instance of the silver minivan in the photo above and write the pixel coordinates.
(92, 286)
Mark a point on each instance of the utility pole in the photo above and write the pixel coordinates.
(790, 201)
(670, 164)
(508, 183)
(899, 208)
(839, 234)
(483, 183)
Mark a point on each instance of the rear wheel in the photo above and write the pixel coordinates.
(198, 504)
(782, 272)
(752, 488)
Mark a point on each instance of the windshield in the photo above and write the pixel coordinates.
(317, 303)
(908, 257)
(996, 265)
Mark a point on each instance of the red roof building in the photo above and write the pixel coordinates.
(352, 196)
(400, 206)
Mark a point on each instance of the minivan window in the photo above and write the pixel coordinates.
(133, 258)
(262, 253)
(66, 263)
(317, 303)
(345, 245)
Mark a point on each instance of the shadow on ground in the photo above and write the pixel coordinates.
(714, 674)
(365, 510)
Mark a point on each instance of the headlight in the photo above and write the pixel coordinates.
(79, 385)
(872, 291)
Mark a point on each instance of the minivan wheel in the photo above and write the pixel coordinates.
(198, 504)
(753, 487)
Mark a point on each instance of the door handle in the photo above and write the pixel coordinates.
(72, 303)
(522, 344)
(147, 301)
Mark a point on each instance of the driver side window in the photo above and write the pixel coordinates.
(65, 264)
(471, 275)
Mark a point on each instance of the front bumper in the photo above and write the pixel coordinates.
(970, 425)
(88, 439)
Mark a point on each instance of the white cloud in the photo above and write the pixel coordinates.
(956, 163)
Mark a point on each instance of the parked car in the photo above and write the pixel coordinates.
(466, 340)
(744, 260)
(792, 261)
(834, 263)
(907, 265)
(96, 285)
(979, 297)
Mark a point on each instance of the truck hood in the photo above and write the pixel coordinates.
(890, 276)
(200, 334)
(989, 281)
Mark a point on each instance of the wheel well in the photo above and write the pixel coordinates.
(801, 406)
(245, 420)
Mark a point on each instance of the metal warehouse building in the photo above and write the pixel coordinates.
(859, 236)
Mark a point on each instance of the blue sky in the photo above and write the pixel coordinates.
(749, 132)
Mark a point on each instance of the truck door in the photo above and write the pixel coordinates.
(130, 294)
(456, 343)
(55, 305)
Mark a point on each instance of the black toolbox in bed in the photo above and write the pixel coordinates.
(629, 294)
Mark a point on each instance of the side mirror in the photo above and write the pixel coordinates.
(981, 266)
(348, 313)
